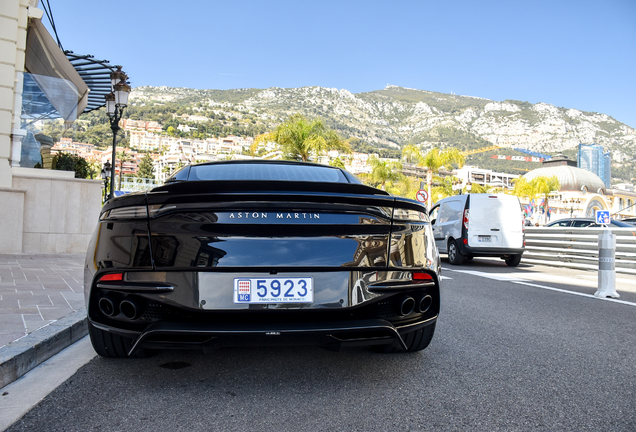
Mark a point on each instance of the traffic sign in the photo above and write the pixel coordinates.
(603, 217)
(421, 195)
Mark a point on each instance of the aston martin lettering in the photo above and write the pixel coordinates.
(257, 215)
(248, 215)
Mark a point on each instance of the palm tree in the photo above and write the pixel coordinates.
(383, 171)
(436, 159)
(411, 153)
(301, 139)
(540, 186)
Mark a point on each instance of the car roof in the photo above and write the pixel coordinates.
(612, 222)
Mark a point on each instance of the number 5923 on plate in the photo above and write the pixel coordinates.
(273, 290)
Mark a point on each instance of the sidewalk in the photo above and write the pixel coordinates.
(42, 309)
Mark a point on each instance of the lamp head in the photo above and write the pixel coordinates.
(110, 103)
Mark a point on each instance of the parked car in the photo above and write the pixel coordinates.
(261, 253)
(466, 226)
(586, 222)
(631, 221)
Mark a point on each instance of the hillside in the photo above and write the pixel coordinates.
(389, 118)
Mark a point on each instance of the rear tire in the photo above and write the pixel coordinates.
(415, 341)
(455, 257)
(111, 345)
(513, 260)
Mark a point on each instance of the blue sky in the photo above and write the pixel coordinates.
(576, 54)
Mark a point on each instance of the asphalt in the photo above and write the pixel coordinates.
(42, 309)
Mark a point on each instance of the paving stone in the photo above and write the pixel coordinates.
(9, 303)
(57, 286)
(18, 311)
(40, 294)
(55, 313)
(11, 321)
(6, 338)
(7, 289)
(35, 300)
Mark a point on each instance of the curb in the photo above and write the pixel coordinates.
(20, 356)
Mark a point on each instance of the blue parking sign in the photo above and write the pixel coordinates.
(603, 217)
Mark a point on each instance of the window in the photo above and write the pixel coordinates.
(266, 172)
(451, 211)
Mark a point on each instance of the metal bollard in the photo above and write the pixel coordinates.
(606, 265)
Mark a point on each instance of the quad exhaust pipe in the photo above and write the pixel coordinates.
(425, 304)
(128, 308)
(107, 307)
(408, 305)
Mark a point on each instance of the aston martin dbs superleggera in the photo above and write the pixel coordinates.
(261, 253)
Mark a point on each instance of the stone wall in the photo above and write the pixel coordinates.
(59, 214)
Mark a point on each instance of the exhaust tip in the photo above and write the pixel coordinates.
(129, 309)
(107, 307)
(407, 306)
(425, 304)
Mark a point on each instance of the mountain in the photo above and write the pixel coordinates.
(395, 116)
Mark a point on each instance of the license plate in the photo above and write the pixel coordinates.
(273, 290)
(484, 239)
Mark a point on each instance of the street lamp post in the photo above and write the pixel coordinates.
(116, 101)
(106, 176)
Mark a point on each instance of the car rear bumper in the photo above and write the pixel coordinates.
(330, 335)
(489, 251)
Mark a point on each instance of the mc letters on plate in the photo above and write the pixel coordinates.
(273, 290)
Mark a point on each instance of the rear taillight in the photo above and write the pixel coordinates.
(132, 212)
(112, 277)
(466, 214)
(422, 276)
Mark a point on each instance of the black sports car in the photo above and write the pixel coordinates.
(261, 253)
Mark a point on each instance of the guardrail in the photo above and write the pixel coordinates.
(578, 248)
(135, 184)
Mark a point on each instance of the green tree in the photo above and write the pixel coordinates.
(383, 171)
(67, 162)
(411, 154)
(436, 159)
(302, 139)
(337, 162)
(146, 168)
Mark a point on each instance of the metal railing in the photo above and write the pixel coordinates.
(135, 184)
(578, 248)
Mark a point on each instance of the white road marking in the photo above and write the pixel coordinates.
(509, 277)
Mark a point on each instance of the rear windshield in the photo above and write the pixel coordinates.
(269, 171)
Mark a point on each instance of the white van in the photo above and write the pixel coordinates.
(466, 226)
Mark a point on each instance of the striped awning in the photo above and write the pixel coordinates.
(96, 75)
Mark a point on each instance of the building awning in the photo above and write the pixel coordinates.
(54, 73)
(72, 83)
(96, 75)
